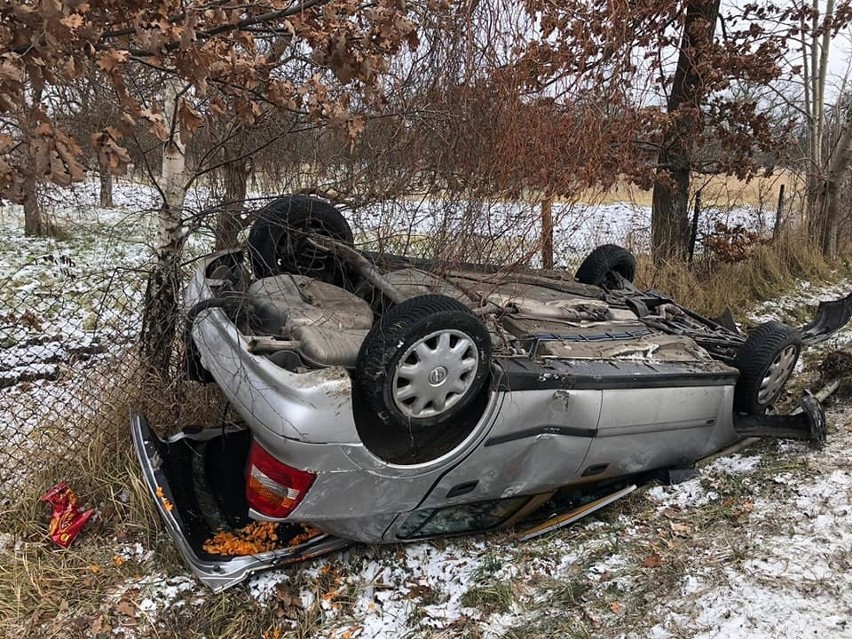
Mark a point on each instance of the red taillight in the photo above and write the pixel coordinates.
(274, 489)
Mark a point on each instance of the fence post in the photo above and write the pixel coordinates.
(694, 234)
(547, 232)
(778, 213)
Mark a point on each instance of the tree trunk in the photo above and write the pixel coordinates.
(229, 221)
(162, 296)
(670, 200)
(106, 188)
(829, 210)
(822, 179)
(670, 209)
(34, 224)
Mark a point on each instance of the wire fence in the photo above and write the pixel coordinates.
(71, 308)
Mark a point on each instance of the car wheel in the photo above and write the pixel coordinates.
(277, 241)
(603, 264)
(423, 362)
(765, 362)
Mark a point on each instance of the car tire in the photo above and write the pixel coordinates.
(277, 241)
(765, 362)
(604, 261)
(434, 347)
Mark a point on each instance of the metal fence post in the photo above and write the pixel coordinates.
(779, 216)
(694, 234)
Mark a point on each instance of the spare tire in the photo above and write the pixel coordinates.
(602, 266)
(765, 362)
(277, 241)
(423, 363)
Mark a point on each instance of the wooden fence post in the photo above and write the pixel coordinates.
(547, 233)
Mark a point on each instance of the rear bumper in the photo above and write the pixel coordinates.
(312, 406)
(179, 511)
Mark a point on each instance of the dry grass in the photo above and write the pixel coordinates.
(716, 191)
(49, 592)
(52, 593)
(708, 287)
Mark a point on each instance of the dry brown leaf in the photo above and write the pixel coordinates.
(125, 607)
(29, 319)
(190, 119)
(615, 607)
(100, 626)
(652, 561)
(74, 21)
(112, 59)
(287, 599)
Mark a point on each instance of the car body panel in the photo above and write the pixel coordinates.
(586, 387)
(273, 398)
(217, 573)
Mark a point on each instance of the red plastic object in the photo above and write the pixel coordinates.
(68, 520)
(273, 488)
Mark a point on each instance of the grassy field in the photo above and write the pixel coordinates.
(722, 191)
(769, 524)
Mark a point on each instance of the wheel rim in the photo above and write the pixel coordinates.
(435, 373)
(777, 374)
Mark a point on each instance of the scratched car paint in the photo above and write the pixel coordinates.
(391, 399)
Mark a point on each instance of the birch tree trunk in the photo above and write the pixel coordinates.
(162, 297)
(819, 181)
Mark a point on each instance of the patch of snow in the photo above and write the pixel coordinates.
(797, 580)
(137, 552)
(163, 593)
(688, 494)
(807, 295)
(734, 464)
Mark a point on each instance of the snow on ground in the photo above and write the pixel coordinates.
(808, 295)
(796, 579)
(758, 544)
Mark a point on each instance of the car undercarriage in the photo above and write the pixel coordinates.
(387, 398)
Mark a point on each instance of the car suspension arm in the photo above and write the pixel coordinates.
(361, 265)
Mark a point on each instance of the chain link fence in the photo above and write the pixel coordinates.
(71, 308)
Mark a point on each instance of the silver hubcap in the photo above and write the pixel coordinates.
(435, 373)
(777, 374)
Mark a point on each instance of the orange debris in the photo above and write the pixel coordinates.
(253, 538)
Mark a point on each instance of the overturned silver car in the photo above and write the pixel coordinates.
(388, 399)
